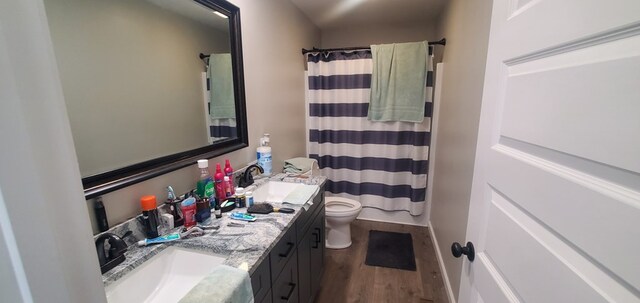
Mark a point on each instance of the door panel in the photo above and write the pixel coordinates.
(555, 201)
(576, 206)
(547, 24)
(571, 117)
(488, 279)
(515, 250)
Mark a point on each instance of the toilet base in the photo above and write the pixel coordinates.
(327, 245)
(338, 237)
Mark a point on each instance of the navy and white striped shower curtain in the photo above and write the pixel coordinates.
(380, 164)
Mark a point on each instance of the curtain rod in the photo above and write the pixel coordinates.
(442, 41)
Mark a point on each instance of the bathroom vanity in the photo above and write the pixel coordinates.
(292, 269)
(284, 253)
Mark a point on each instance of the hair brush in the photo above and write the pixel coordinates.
(265, 208)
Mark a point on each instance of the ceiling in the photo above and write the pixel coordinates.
(331, 14)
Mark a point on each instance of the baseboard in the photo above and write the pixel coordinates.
(400, 217)
(445, 276)
(391, 222)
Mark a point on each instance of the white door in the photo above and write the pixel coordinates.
(555, 206)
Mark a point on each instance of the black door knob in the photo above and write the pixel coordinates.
(458, 250)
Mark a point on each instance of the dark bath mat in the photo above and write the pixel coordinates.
(389, 249)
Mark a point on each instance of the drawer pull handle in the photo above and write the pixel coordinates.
(315, 245)
(293, 287)
(286, 254)
(318, 237)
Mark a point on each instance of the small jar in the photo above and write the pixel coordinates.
(241, 200)
(249, 198)
(188, 207)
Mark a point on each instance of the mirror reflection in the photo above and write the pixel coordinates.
(142, 79)
(219, 98)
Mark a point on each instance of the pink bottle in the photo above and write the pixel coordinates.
(219, 180)
(228, 171)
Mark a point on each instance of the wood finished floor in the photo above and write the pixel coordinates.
(347, 279)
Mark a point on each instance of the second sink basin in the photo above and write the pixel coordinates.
(166, 277)
(274, 191)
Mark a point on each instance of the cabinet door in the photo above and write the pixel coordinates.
(304, 266)
(285, 288)
(317, 251)
(261, 280)
(267, 298)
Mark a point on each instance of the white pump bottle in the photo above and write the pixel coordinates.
(264, 155)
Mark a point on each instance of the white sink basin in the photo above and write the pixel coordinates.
(166, 277)
(274, 191)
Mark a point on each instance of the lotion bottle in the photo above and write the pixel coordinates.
(264, 155)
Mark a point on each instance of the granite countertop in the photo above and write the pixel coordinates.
(243, 247)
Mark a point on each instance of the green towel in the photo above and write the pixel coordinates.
(223, 284)
(301, 195)
(223, 105)
(398, 82)
(298, 165)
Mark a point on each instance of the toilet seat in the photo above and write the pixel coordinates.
(341, 207)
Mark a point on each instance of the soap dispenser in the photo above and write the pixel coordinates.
(264, 155)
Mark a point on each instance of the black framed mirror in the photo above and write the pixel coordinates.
(143, 82)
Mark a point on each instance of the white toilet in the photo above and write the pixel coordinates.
(339, 213)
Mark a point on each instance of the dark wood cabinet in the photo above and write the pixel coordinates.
(311, 258)
(285, 287)
(304, 276)
(266, 299)
(316, 262)
(293, 269)
(282, 252)
(261, 281)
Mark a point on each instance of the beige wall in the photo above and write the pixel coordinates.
(367, 35)
(465, 24)
(131, 78)
(273, 32)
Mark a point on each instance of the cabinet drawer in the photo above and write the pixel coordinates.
(285, 288)
(282, 252)
(261, 280)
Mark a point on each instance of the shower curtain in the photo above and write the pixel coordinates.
(380, 164)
